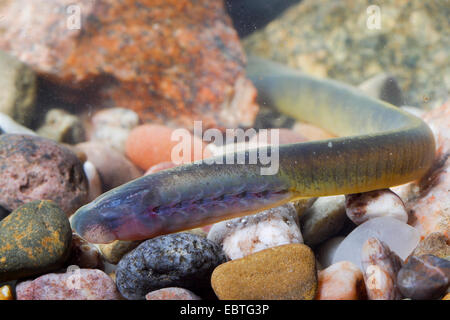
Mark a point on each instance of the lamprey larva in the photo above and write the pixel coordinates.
(379, 146)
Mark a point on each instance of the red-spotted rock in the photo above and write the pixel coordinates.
(169, 60)
(361, 207)
(341, 281)
(75, 284)
(36, 168)
(380, 267)
(172, 294)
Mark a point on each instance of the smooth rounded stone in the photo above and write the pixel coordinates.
(61, 126)
(171, 294)
(84, 254)
(74, 284)
(150, 144)
(341, 281)
(113, 167)
(35, 168)
(398, 236)
(361, 207)
(18, 89)
(94, 180)
(383, 86)
(112, 126)
(380, 267)
(181, 260)
(325, 251)
(325, 218)
(285, 272)
(6, 293)
(114, 251)
(436, 244)
(270, 228)
(8, 125)
(424, 277)
(35, 238)
(414, 111)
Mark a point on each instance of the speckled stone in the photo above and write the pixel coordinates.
(74, 284)
(285, 272)
(181, 260)
(18, 89)
(171, 294)
(168, 60)
(380, 267)
(424, 277)
(36, 168)
(436, 244)
(240, 237)
(35, 238)
(331, 39)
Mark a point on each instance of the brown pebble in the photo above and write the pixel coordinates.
(285, 272)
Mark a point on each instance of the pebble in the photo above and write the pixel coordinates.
(61, 126)
(181, 260)
(424, 277)
(74, 284)
(8, 125)
(436, 244)
(446, 297)
(84, 254)
(285, 272)
(325, 251)
(18, 93)
(325, 218)
(270, 228)
(380, 267)
(398, 236)
(114, 251)
(112, 166)
(35, 238)
(6, 293)
(34, 168)
(361, 207)
(171, 294)
(94, 180)
(150, 144)
(341, 281)
(112, 127)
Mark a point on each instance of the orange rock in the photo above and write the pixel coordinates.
(6, 293)
(447, 297)
(341, 281)
(168, 60)
(151, 144)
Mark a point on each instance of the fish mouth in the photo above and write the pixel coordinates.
(90, 228)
